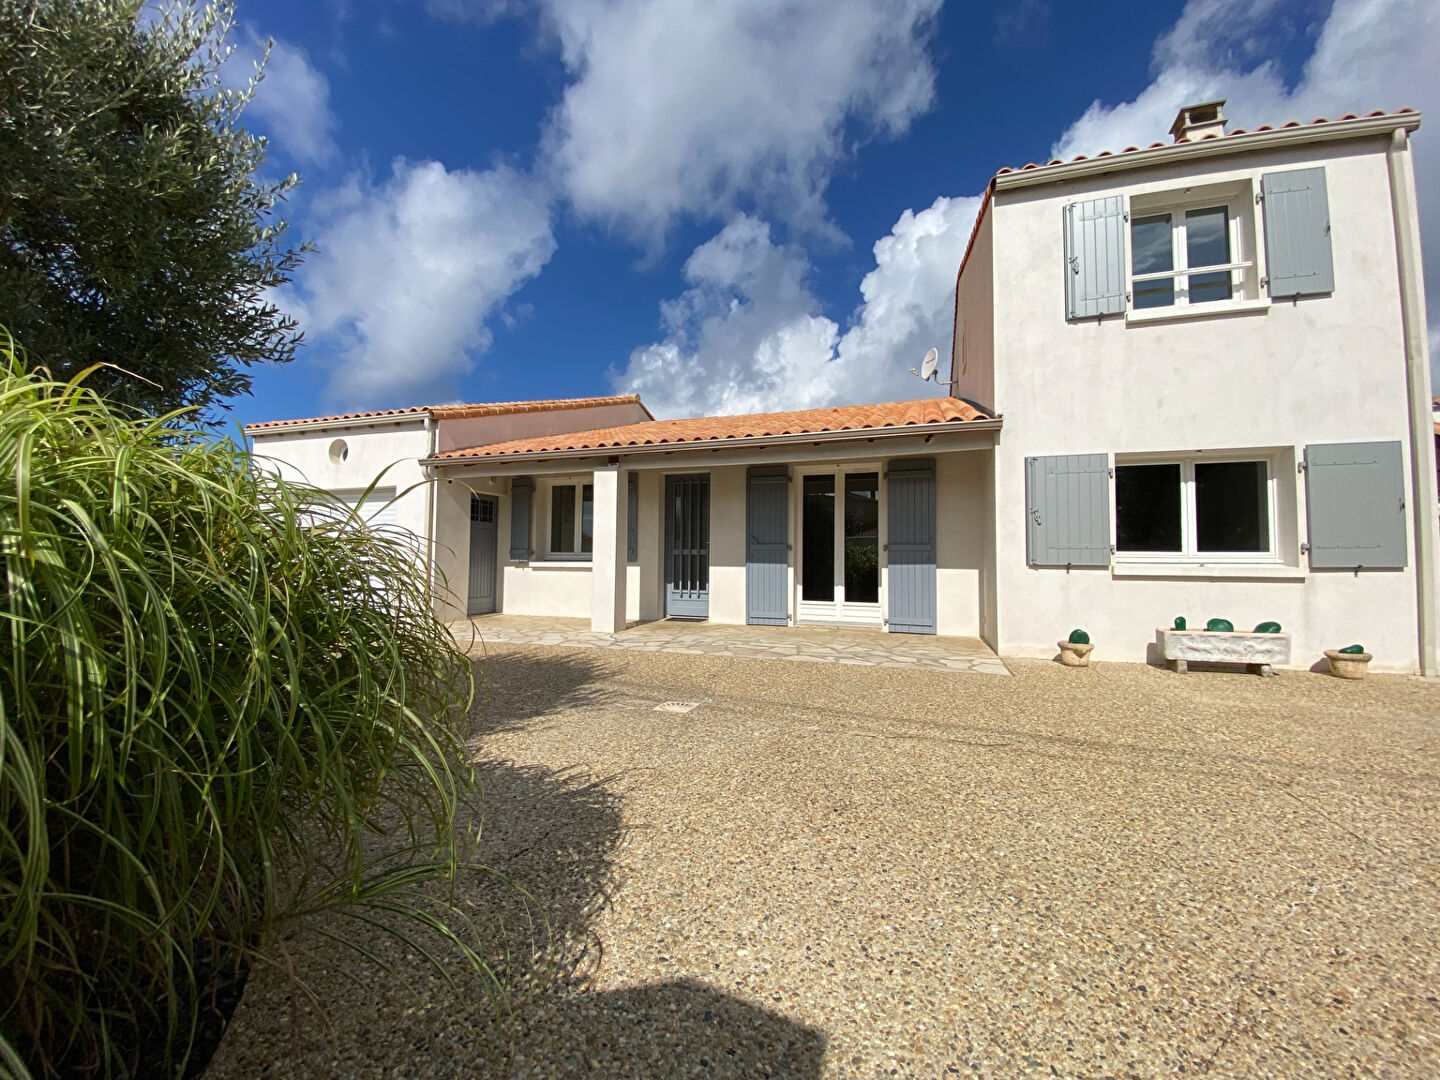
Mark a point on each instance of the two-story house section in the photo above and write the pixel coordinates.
(1210, 360)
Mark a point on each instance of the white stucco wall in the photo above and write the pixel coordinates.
(395, 450)
(961, 525)
(1323, 369)
(562, 588)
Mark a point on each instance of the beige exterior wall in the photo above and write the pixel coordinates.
(972, 353)
(483, 430)
(1278, 377)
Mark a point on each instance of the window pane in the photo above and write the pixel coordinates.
(587, 519)
(1147, 508)
(818, 543)
(1151, 251)
(1207, 243)
(862, 538)
(1232, 506)
(562, 519)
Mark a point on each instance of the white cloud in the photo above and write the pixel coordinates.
(708, 107)
(744, 337)
(409, 272)
(1370, 54)
(291, 104)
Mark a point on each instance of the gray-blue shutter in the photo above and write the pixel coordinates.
(1297, 233)
(1067, 507)
(1095, 258)
(910, 545)
(1355, 500)
(767, 545)
(522, 489)
(632, 519)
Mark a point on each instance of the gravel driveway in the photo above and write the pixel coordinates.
(878, 872)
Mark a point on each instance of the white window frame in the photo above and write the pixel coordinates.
(1239, 267)
(839, 609)
(577, 555)
(1188, 515)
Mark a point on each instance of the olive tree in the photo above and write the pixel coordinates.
(136, 229)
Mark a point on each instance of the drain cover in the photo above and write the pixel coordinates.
(677, 706)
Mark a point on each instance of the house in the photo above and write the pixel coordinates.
(1187, 379)
(1211, 363)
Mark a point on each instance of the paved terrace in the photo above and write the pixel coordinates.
(859, 646)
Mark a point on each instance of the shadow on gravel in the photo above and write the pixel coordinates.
(681, 1028)
(512, 687)
(554, 836)
(548, 842)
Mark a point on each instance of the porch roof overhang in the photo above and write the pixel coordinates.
(906, 428)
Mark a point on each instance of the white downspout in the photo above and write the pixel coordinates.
(1417, 369)
(431, 436)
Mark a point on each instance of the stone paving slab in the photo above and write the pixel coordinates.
(855, 646)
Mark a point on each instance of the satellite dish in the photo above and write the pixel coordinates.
(928, 365)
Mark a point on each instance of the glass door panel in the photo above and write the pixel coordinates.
(818, 539)
(862, 538)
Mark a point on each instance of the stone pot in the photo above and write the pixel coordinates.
(1075, 653)
(1347, 665)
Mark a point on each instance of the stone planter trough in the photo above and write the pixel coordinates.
(1075, 653)
(1347, 665)
(1260, 651)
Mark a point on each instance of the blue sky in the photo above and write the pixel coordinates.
(725, 205)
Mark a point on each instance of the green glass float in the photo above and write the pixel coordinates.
(1220, 626)
(1179, 622)
(1354, 650)
(1079, 637)
(1268, 628)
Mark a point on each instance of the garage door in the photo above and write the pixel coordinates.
(378, 508)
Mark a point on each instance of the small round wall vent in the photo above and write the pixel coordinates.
(339, 451)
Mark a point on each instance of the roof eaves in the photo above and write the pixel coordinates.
(982, 423)
(1240, 140)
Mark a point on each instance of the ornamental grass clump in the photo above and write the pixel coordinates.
(223, 695)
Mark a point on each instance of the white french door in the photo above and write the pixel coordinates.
(840, 546)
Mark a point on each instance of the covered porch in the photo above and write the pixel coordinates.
(873, 517)
(857, 646)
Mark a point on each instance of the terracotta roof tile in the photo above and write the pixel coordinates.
(461, 412)
(709, 429)
(1405, 110)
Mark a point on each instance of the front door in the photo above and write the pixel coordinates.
(687, 545)
(482, 555)
(840, 547)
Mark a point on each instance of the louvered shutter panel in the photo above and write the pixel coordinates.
(1095, 258)
(632, 519)
(910, 546)
(1355, 500)
(522, 490)
(1297, 233)
(1067, 503)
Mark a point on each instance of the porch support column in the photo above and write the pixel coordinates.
(607, 567)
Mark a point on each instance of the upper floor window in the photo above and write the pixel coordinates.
(1182, 257)
(1173, 251)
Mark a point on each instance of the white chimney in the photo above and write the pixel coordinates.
(1195, 122)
